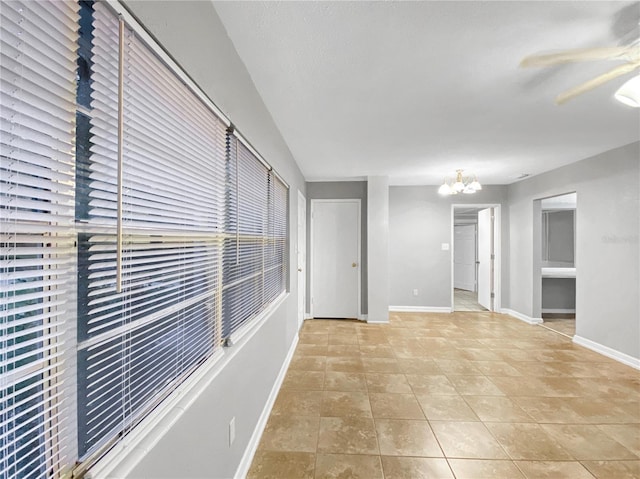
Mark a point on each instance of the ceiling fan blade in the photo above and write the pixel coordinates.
(581, 55)
(597, 81)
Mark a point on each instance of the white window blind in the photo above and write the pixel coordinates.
(37, 262)
(276, 263)
(254, 249)
(201, 221)
(137, 344)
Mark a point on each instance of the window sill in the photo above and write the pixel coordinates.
(119, 461)
(249, 329)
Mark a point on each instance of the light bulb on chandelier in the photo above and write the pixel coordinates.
(462, 184)
(629, 93)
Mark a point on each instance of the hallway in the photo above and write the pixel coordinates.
(466, 301)
(466, 395)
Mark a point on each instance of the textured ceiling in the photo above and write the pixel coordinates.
(415, 90)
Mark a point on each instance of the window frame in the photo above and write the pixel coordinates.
(119, 457)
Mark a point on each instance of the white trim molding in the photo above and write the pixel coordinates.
(420, 309)
(521, 317)
(250, 451)
(301, 258)
(251, 327)
(558, 311)
(607, 351)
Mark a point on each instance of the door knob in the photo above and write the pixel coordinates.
(300, 269)
(353, 265)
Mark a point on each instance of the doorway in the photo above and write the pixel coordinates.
(475, 260)
(465, 266)
(557, 271)
(335, 258)
(301, 255)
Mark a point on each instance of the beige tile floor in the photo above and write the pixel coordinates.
(464, 300)
(465, 395)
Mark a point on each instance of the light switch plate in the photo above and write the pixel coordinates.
(445, 246)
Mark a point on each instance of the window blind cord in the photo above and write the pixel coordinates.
(121, 27)
(10, 250)
(37, 43)
(237, 205)
(126, 34)
(147, 198)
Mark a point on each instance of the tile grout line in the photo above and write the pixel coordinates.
(488, 375)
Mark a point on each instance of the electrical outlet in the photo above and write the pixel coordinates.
(415, 292)
(232, 431)
(445, 246)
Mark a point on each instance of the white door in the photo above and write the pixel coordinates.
(335, 258)
(485, 258)
(464, 257)
(302, 256)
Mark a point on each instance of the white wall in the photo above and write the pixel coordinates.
(419, 222)
(607, 251)
(196, 445)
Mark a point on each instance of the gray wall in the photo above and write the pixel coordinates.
(196, 446)
(558, 236)
(419, 222)
(607, 253)
(378, 247)
(340, 190)
(558, 293)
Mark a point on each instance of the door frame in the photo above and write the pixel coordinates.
(497, 250)
(302, 275)
(310, 264)
(536, 293)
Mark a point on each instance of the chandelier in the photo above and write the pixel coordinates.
(462, 184)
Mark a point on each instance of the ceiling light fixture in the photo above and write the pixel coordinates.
(629, 92)
(461, 184)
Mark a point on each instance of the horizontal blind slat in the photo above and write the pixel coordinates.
(174, 186)
(38, 41)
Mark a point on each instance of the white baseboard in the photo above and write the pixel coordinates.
(607, 351)
(250, 451)
(559, 311)
(521, 317)
(419, 309)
